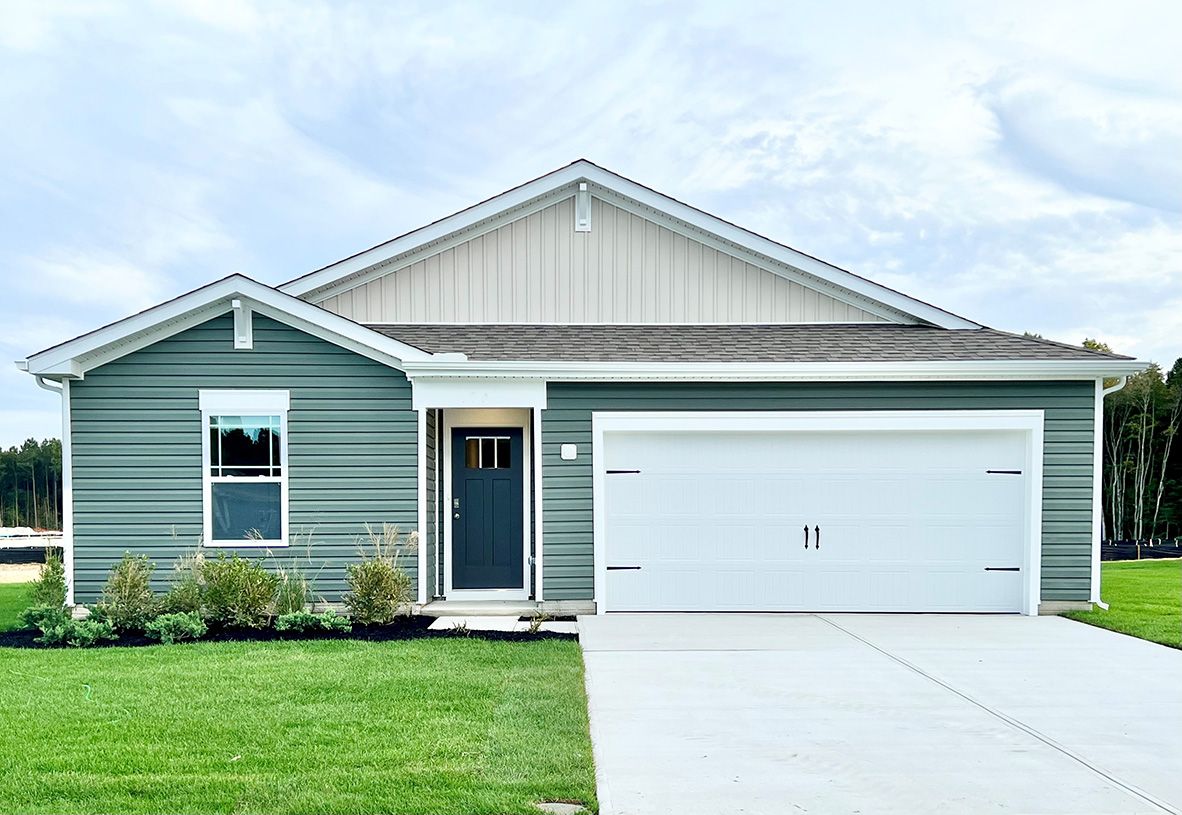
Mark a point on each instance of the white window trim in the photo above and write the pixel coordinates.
(1028, 421)
(240, 403)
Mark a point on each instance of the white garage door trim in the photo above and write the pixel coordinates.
(1028, 421)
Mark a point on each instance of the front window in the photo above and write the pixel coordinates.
(245, 467)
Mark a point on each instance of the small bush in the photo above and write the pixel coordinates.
(170, 628)
(237, 592)
(44, 616)
(302, 622)
(182, 597)
(127, 601)
(379, 589)
(58, 627)
(184, 590)
(49, 589)
(79, 633)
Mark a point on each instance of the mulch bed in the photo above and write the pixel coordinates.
(405, 628)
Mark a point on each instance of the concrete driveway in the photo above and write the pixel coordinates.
(833, 713)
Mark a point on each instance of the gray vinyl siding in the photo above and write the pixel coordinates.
(1067, 457)
(136, 425)
(628, 268)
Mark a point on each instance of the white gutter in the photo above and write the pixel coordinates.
(448, 366)
(1098, 482)
(63, 390)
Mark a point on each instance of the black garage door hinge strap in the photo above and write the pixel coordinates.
(1003, 568)
(623, 568)
(1003, 472)
(622, 472)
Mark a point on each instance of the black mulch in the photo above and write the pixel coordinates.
(405, 628)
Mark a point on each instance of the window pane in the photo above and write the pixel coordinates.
(488, 452)
(245, 442)
(246, 510)
(472, 453)
(215, 449)
(503, 457)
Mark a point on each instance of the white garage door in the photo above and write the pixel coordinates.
(891, 520)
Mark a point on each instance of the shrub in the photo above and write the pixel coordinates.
(44, 616)
(379, 589)
(301, 622)
(127, 601)
(184, 590)
(237, 592)
(170, 628)
(79, 633)
(293, 592)
(59, 628)
(49, 589)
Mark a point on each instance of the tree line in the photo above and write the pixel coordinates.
(1142, 458)
(31, 485)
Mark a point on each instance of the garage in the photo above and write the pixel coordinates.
(917, 511)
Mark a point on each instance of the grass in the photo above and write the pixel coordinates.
(422, 726)
(14, 598)
(1144, 599)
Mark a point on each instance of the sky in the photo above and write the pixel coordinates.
(1016, 163)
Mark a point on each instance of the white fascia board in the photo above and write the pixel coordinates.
(586, 171)
(463, 219)
(772, 371)
(73, 358)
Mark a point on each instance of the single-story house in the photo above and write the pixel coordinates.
(586, 395)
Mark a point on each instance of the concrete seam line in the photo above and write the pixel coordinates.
(1015, 723)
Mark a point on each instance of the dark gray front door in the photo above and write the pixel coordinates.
(486, 526)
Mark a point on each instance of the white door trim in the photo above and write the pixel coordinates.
(1027, 421)
(486, 417)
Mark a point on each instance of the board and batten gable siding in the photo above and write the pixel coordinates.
(626, 269)
(1067, 456)
(136, 432)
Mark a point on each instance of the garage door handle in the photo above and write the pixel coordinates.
(806, 536)
(818, 537)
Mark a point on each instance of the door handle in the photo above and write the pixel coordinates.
(818, 537)
(806, 536)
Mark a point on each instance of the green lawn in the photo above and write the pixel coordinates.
(423, 726)
(1144, 599)
(14, 598)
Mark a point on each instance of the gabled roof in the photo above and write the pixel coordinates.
(602, 181)
(73, 358)
(690, 343)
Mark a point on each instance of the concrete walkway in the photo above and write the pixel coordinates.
(716, 714)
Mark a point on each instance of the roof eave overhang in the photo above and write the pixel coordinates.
(968, 370)
(583, 170)
(72, 359)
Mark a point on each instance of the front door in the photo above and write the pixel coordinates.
(487, 508)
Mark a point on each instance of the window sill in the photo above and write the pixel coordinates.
(245, 544)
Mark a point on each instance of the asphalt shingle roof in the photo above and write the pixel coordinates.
(868, 342)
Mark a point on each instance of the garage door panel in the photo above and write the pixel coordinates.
(910, 521)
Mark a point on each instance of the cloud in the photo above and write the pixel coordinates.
(1014, 162)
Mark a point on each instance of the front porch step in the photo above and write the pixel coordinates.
(506, 608)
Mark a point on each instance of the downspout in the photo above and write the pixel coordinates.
(1098, 482)
(62, 389)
